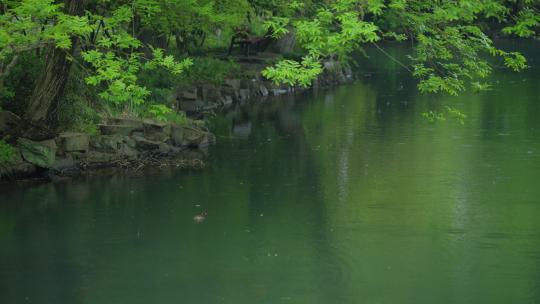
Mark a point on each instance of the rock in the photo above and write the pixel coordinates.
(190, 105)
(157, 131)
(8, 122)
(129, 151)
(164, 148)
(244, 94)
(227, 91)
(124, 130)
(210, 93)
(128, 141)
(227, 101)
(263, 90)
(115, 144)
(177, 135)
(95, 157)
(108, 143)
(194, 154)
(124, 121)
(49, 143)
(18, 170)
(143, 144)
(207, 140)
(197, 137)
(247, 84)
(189, 94)
(72, 142)
(16, 158)
(210, 106)
(334, 73)
(285, 44)
(77, 156)
(193, 136)
(137, 133)
(41, 154)
(277, 92)
(64, 163)
(233, 83)
(330, 65)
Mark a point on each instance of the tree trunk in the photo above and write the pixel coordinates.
(52, 80)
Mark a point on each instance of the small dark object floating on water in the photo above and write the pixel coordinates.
(199, 218)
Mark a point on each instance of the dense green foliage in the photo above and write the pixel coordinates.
(7, 152)
(131, 53)
(450, 37)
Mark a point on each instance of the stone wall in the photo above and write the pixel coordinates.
(120, 139)
(208, 97)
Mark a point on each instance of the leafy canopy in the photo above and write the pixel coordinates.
(450, 37)
(115, 41)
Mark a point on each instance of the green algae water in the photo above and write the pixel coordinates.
(340, 196)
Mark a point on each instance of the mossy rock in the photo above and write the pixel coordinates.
(41, 154)
(107, 143)
(124, 130)
(73, 142)
(197, 138)
(157, 131)
(177, 135)
(126, 121)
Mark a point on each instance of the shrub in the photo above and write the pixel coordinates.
(163, 113)
(7, 152)
(79, 109)
(210, 70)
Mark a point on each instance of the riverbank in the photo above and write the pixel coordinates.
(128, 143)
(251, 86)
(124, 143)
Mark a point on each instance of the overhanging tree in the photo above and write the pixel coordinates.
(110, 41)
(450, 43)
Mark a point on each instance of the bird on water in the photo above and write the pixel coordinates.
(199, 218)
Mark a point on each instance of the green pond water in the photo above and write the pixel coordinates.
(340, 196)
